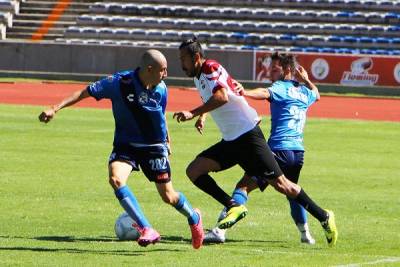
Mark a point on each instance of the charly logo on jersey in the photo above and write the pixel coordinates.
(110, 78)
(396, 73)
(130, 97)
(143, 98)
(359, 73)
(320, 68)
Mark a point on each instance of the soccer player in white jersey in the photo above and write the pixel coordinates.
(242, 143)
(288, 115)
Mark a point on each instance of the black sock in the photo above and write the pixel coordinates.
(304, 200)
(206, 183)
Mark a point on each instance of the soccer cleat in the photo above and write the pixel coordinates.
(197, 232)
(331, 232)
(215, 235)
(233, 215)
(147, 236)
(306, 238)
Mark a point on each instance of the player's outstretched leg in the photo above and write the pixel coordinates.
(299, 216)
(194, 220)
(181, 204)
(197, 171)
(130, 204)
(296, 193)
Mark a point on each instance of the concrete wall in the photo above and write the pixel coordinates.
(94, 59)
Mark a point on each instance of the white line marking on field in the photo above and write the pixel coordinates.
(393, 259)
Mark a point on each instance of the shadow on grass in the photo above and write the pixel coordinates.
(76, 239)
(86, 251)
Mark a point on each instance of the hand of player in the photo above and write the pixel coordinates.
(239, 89)
(301, 74)
(183, 116)
(200, 125)
(47, 115)
(169, 148)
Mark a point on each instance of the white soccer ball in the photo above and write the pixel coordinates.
(124, 229)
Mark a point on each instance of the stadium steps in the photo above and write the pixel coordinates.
(34, 12)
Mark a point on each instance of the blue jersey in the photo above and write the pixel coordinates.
(139, 113)
(289, 104)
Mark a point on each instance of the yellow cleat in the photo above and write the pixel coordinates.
(233, 215)
(331, 232)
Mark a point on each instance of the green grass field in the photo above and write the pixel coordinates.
(58, 209)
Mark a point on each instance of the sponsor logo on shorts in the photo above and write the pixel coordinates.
(162, 177)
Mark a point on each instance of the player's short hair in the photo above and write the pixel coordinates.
(288, 60)
(276, 56)
(192, 46)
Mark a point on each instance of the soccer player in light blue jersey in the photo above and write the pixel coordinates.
(289, 102)
(141, 139)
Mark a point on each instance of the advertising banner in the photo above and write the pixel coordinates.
(349, 70)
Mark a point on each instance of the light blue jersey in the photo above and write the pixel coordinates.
(139, 113)
(289, 104)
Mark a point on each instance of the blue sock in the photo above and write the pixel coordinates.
(239, 196)
(130, 204)
(297, 211)
(184, 207)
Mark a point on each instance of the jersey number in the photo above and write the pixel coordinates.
(298, 120)
(158, 164)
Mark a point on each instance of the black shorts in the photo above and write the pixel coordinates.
(250, 151)
(152, 160)
(290, 162)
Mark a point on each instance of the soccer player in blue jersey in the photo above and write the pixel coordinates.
(288, 116)
(141, 139)
(244, 147)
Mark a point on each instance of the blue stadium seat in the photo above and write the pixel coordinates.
(198, 24)
(264, 26)
(382, 40)
(248, 47)
(350, 39)
(335, 39)
(396, 41)
(366, 40)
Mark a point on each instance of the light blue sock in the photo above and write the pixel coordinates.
(239, 196)
(184, 207)
(130, 204)
(297, 211)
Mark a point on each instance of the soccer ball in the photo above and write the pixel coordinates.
(124, 229)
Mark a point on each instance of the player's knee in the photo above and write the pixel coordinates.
(115, 182)
(286, 187)
(192, 172)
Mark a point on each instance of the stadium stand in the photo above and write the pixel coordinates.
(325, 26)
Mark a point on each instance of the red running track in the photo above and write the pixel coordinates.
(46, 94)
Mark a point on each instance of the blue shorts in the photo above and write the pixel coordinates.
(153, 160)
(290, 162)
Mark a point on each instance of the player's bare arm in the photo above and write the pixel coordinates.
(257, 93)
(302, 76)
(168, 137)
(219, 98)
(48, 114)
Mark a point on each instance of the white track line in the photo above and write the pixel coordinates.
(392, 259)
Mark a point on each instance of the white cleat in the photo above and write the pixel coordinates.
(215, 235)
(306, 238)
